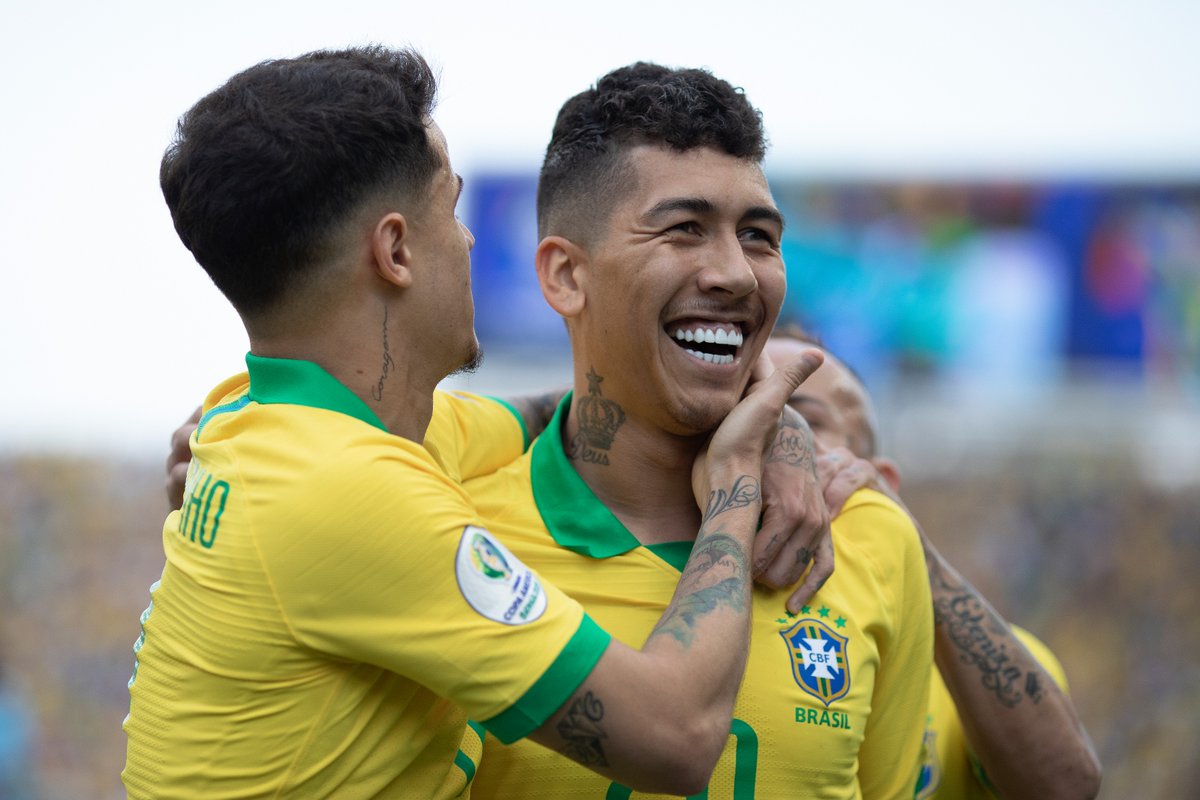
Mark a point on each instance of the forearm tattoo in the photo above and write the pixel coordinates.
(745, 491)
(581, 731)
(716, 576)
(599, 420)
(980, 636)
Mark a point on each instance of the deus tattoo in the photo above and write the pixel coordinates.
(599, 421)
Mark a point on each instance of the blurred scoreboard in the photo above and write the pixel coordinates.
(1013, 281)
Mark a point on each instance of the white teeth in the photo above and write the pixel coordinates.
(710, 358)
(710, 335)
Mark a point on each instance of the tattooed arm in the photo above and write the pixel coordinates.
(657, 719)
(795, 521)
(536, 409)
(1020, 724)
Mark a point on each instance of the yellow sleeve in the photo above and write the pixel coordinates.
(1044, 655)
(414, 583)
(890, 757)
(225, 391)
(471, 435)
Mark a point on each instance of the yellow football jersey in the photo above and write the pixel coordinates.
(834, 698)
(332, 607)
(951, 771)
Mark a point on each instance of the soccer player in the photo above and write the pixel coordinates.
(660, 248)
(1001, 723)
(332, 606)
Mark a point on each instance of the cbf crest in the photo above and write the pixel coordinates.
(819, 661)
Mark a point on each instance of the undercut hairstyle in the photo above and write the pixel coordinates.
(263, 170)
(584, 173)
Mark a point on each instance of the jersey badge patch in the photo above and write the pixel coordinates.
(820, 663)
(495, 582)
(930, 776)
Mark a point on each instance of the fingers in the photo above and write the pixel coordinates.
(822, 568)
(794, 554)
(844, 478)
(784, 380)
(176, 480)
(178, 458)
(768, 542)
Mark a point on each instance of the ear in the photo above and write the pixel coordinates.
(889, 470)
(562, 273)
(390, 254)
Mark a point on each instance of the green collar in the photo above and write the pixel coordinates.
(303, 383)
(573, 514)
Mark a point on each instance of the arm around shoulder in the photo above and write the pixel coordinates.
(1021, 725)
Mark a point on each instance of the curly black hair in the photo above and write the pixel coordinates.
(262, 169)
(641, 103)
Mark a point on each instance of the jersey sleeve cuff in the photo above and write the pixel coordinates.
(549, 692)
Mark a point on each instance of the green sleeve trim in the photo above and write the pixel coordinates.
(480, 731)
(235, 405)
(520, 420)
(550, 691)
(464, 762)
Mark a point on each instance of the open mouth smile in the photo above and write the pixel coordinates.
(712, 342)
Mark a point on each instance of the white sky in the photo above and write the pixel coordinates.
(109, 332)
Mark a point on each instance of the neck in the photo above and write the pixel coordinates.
(373, 365)
(641, 473)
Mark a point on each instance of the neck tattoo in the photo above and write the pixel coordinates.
(388, 363)
(599, 421)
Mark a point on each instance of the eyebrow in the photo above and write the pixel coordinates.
(699, 205)
(809, 400)
(765, 213)
(696, 205)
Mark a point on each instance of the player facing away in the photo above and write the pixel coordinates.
(1000, 721)
(660, 248)
(332, 606)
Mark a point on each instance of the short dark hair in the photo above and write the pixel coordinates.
(262, 169)
(638, 104)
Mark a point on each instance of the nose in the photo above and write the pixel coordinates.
(726, 269)
(470, 237)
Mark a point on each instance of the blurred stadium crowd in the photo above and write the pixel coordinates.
(1035, 350)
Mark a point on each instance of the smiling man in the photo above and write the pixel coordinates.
(660, 248)
(332, 606)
